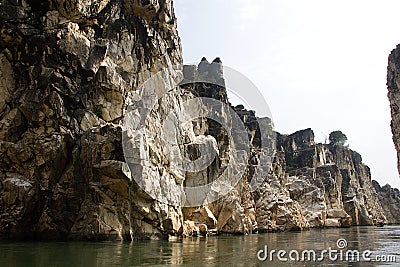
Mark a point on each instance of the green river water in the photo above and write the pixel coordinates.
(380, 245)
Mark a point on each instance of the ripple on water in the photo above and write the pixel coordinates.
(212, 251)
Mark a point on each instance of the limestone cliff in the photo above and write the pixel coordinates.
(393, 85)
(390, 201)
(72, 73)
(95, 142)
(330, 182)
(316, 185)
(67, 70)
(388, 195)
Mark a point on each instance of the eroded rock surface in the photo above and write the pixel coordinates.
(388, 195)
(390, 201)
(316, 185)
(67, 70)
(393, 85)
(74, 74)
(330, 182)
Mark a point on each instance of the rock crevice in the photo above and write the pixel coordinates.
(71, 72)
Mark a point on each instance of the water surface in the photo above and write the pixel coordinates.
(210, 251)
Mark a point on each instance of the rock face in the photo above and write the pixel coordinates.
(330, 182)
(79, 161)
(390, 201)
(68, 69)
(316, 185)
(389, 196)
(393, 84)
(233, 212)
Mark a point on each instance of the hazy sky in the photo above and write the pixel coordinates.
(319, 64)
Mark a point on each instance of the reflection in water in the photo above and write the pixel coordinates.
(211, 251)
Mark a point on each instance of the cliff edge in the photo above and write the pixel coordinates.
(72, 72)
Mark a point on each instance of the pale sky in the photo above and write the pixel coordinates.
(319, 64)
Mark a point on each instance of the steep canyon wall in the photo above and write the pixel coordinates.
(72, 72)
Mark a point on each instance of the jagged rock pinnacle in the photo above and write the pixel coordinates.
(217, 60)
(203, 66)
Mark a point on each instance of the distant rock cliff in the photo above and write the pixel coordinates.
(393, 84)
(330, 182)
(70, 72)
(390, 201)
(316, 185)
(390, 197)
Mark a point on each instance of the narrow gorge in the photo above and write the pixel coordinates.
(70, 76)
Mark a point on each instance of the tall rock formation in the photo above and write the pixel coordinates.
(389, 196)
(393, 85)
(95, 142)
(330, 182)
(71, 72)
(316, 185)
(390, 201)
(68, 70)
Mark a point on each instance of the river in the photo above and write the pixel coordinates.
(357, 246)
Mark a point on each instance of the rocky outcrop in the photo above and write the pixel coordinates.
(393, 85)
(316, 185)
(330, 182)
(72, 74)
(390, 200)
(233, 212)
(101, 136)
(275, 209)
(68, 70)
(387, 195)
